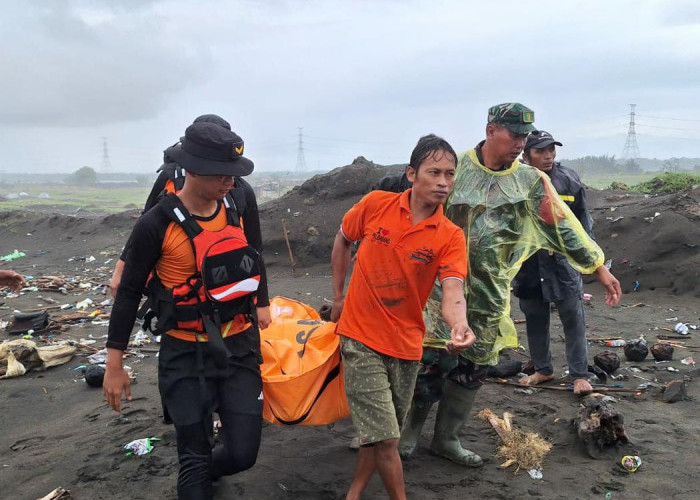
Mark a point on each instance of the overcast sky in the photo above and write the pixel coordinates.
(361, 77)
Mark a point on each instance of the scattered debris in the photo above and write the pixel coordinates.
(140, 446)
(636, 350)
(674, 391)
(662, 351)
(616, 343)
(631, 463)
(608, 361)
(599, 424)
(58, 494)
(524, 449)
(12, 256)
(688, 361)
(681, 328)
(20, 356)
(651, 219)
(24, 323)
(527, 390)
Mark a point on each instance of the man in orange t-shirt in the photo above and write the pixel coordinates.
(407, 243)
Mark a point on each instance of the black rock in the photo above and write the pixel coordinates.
(94, 375)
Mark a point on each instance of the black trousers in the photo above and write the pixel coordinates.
(192, 388)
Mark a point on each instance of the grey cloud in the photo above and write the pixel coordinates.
(68, 72)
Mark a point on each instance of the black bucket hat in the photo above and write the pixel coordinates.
(210, 118)
(210, 149)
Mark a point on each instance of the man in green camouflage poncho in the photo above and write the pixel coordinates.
(508, 210)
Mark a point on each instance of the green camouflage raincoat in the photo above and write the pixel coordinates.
(506, 216)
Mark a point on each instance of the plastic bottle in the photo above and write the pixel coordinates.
(615, 343)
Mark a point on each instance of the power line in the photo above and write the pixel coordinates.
(301, 160)
(669, 118)
(631, 149)
(106, 162)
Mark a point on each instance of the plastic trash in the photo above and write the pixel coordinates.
(651, 219)
(587, 297)
(681, 328)
(688, 361)
(12, 256)
(84, 304)
(141, 338)
(608, 263)
(607, 361)
(535, 473)
(616, 343)
(636, 285)
(636, 350)
(140, 446)
(100, 357)
(631, 463)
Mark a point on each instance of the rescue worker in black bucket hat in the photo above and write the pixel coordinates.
(207, 288)
(171, 178)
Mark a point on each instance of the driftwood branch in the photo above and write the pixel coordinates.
(289, 248)
(558, 387)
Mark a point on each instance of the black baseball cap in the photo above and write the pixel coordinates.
(540, 139)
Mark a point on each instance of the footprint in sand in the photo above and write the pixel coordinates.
(27, 443)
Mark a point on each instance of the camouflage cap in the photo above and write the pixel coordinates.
(513, 116)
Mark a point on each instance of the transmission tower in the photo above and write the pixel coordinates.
(301, 161)
(106, 163)
(631, 149)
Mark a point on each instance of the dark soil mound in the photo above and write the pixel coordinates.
(50, 240)
(313, 211)
(658, 251)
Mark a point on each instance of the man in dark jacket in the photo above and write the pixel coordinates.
(547, 278)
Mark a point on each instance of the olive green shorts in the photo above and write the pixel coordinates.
(379, 389)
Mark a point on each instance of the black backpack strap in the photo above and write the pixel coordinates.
(239, 196)
(178, 213)
(233, 214)
(178, 177)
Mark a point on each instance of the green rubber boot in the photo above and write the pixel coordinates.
(455, 405)
(411, 430)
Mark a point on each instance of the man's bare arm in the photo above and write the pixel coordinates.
(454, 310)
(340, 263)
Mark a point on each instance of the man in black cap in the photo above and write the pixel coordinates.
(547, 277)
(204, 289)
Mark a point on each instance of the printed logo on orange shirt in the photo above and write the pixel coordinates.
(382, 235)
(424, 255)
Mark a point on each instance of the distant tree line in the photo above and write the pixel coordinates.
(611, 165)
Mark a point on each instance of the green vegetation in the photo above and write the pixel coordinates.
(668, 182)
(64, 198)
(604, 180)
(85, 176)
